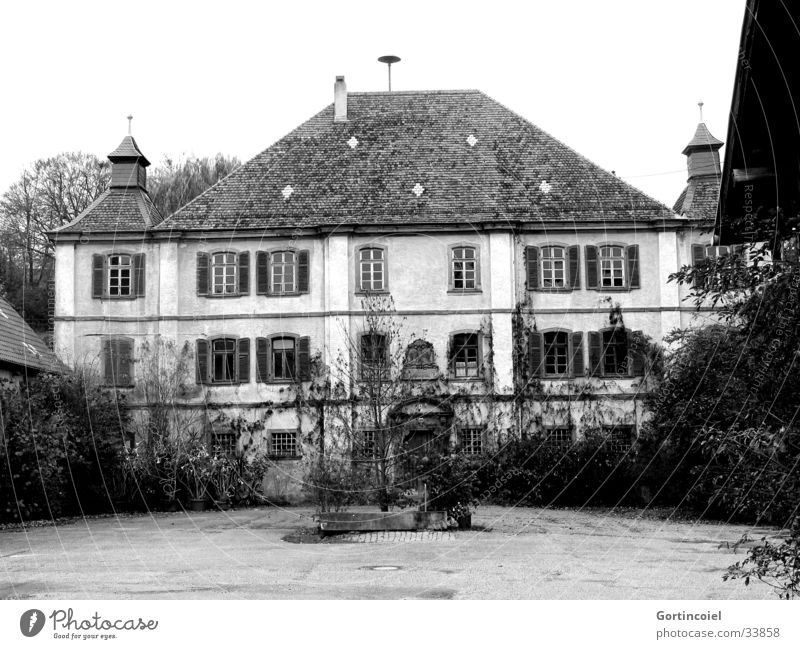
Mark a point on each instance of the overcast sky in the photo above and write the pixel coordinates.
(617, 80)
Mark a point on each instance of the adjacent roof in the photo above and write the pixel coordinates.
(128, 149)
(699, 199)
(702, 140)
(116, 210)
(412, 158)
(20, 345)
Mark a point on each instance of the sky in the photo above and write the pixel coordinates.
(617, 80)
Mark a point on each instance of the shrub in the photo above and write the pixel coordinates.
(452, 481)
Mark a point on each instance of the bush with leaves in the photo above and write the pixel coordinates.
(451, 481)
(61, 446)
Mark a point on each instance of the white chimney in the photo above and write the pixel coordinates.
(340, 100)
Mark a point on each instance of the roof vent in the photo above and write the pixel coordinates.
(340, 100)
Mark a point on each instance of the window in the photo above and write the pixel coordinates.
(283, 443)
(129, 441)
(367, 448)
(223, 360)
(118, 276)
(553, 267)
(224, 443)
(612, 266)
(223, 355)
(464, 268)
(283, 359)
(283, 272)
(118, 362)
(471, 440)
(464, 356)
(619, 439)
(556, 352)
(372, 269)
(223, 273)
(558, 438)
(374, 355)
(615, 352)
(120, 271)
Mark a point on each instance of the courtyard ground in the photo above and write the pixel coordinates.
(521, 553)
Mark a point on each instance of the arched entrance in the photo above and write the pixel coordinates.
(427, 425)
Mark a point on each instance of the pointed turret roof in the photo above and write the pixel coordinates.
(702, 140)
(128, 150)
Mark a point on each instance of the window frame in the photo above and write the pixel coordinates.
(294, 266)
(564, 270)
(283, 455)
(360, 290)
(547, 441)
(109, 269)
(295, 369)
(213, 361)
(451, 267)
(106, 343)
(363, 367)
(568, 366)
(608, 432)
(225, 449)
(209, 378)
(631, 266)
(623, 260)
(136, 282)
(452, 352)
(212, 274)
(627, 363)
(475, 433)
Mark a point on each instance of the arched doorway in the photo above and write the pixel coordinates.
(427, 425)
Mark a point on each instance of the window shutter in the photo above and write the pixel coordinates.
(451, 260)
(535, 353)
(124, 362)
(262, 354)
(574, 263)
(108, 363)
(477, 267)
(578, 368)
(302, 271)
(244, 273)
(592, 272)
(698, 256)
(532, 264)
(138, 275)
(243, 360)
(98, 276)
(202, 273)
(262, 273)
(201, 360)
(595, 353)
(638, 360)
(304, 358)
(633, 266)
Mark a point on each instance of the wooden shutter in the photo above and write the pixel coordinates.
(124, 362)
(98, 276)
(262, 360)
(262, 273)
(574, 265)
(535, 356)
(243, 360)
(304, 358)
(477, 267)
(302, 271)
(578, 368)
(138, 275)
(632, 257)
(592, 270)
(244, 273)
(638, 355)
(532, 266)
(698, 256)
(595, 353)
(108, 362)
(203, 273)
(201, 360)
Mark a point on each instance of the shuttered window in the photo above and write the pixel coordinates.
(223, 360)
(223, 274)
(118, 276)
(556, 354)
(118, 362)
(282, 272)
(465, 356)
(552, 268)
(283, 358)
(612, 267)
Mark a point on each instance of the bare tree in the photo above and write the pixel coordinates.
(176, 182)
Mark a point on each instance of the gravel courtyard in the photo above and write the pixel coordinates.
(520, 553)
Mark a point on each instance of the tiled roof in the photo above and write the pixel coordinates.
(703, 139)
(20, 345)
(699, 199)
(128, 149)
(415, 157)
(116, 210)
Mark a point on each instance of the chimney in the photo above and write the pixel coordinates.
(340, 100)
